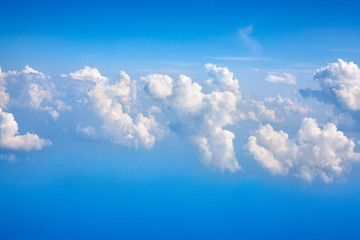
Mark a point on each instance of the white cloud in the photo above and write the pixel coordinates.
(41, 93)
(288, 105)
(322, 152)
(10, 138)
(291, 106)
(38, 94)
(89, 74)
(252, 116)
(257, 111)
(33, 89)
(273, 110)
(206, 128)
(224, 79)
(202, 116)
(187, 96)
(264, 113)
(287, 78)
(340, 84)
(28, 71)
(159, 86)
(112, 103)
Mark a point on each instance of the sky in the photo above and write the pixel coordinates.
(179, 119)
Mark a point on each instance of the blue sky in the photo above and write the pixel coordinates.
(179, 119)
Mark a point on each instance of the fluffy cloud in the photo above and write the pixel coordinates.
(89, 74)
(287, 78)
(271, 109)
(291, 106)
(33, 89)
(202, 116)
(224, 79)
(9, 136)
(112, 103)
(188, 96)
(29, 71)
(316, 152)
(158, 86)
(10, 139)
(262, 112)
(340, 84)
(288, 105)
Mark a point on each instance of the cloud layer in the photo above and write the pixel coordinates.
(340, 84)
(208, 114)
(9, 135)
(200, 116)
(315, 152)
(113, 104)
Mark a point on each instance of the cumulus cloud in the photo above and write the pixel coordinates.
(88, 74)
(271, 109)
(188, 96)
(323, 152)
(263, 113)
(9, 136)
(287, 78)
(340, 88)
(158, 86)
(224, 79)
(11, 139)
(33, 89)
(112, 103)
(291, 106)
(340, 84)
(202, 116)
(288, 105)
(29, 71)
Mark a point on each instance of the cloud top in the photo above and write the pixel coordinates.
(10, 138)
(88, 74)
(340, 84)
(323, 152)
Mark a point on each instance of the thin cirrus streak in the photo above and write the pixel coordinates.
(241, 58)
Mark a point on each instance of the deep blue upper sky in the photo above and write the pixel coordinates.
(128, 35)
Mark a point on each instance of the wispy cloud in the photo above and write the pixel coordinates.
(349, 50)
(178, 63)
(242, 58)
(248, 40)
(287, 78)
(8, 157)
